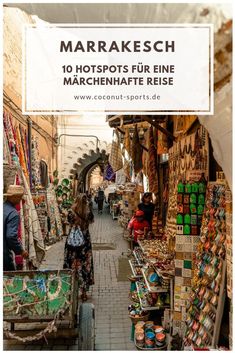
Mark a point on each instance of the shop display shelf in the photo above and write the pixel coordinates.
(151, 259)
(137, 259)
(132, 266)
(153, 289)
(148, 308)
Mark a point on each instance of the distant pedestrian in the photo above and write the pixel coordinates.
(90, 202)
(11, 221)
(100, 200)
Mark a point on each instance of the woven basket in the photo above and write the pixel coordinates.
(140, 318)
(163, 348)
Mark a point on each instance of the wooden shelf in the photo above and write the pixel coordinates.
(153, 289)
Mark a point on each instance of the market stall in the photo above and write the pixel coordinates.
(39, 215)
(152, 294)
(188, 292)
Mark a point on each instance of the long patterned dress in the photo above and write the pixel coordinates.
(81, 260)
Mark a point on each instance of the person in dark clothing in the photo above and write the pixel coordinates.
(89, 199)
(100, 200)
(11, 222)
(147, 207)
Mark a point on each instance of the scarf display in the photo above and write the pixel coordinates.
(152, 164)
(32, 227)
(16, 170)
(136, 152)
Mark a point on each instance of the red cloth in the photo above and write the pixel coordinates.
(138, 228)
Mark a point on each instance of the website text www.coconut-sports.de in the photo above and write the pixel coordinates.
(120, 97)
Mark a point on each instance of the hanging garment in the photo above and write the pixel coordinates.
(21, 156)
(115, 158)
(139, 182)
(120, 177)
(109, 173)
(162, 146)
(32, 228)
(137, 151)
(152, 164)
(10, 137)
(54, 214)
(44, 174)
(127, 142)
(145, 155)
(126, 169)
(35, 166)
(24, 145)
(6, 150)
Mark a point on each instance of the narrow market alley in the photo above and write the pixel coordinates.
(109, 294)
(117, 197)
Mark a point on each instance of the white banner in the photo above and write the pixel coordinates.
(118, 69)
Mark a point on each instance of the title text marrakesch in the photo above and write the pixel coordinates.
(120, 46)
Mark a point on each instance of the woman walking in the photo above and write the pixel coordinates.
(79, 258)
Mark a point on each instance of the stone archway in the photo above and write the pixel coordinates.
(85, 164)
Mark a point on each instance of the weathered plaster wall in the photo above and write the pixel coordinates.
(13, 22)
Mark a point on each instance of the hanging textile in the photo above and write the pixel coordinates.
(152, 165)
(35, 163)
(120, 177)
(127, 142)
(115, 158)
(126, 169)
(56, 230)
(109, 173)
(10, 137)
(162, 145)
(32, 228)
(145, 156)
(139, 182)
(136, 152)
(6, 150)
(23, 137)
(44, 173)
(39, 200)
(20, 152)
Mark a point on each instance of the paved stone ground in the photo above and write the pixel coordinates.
(110, 296)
